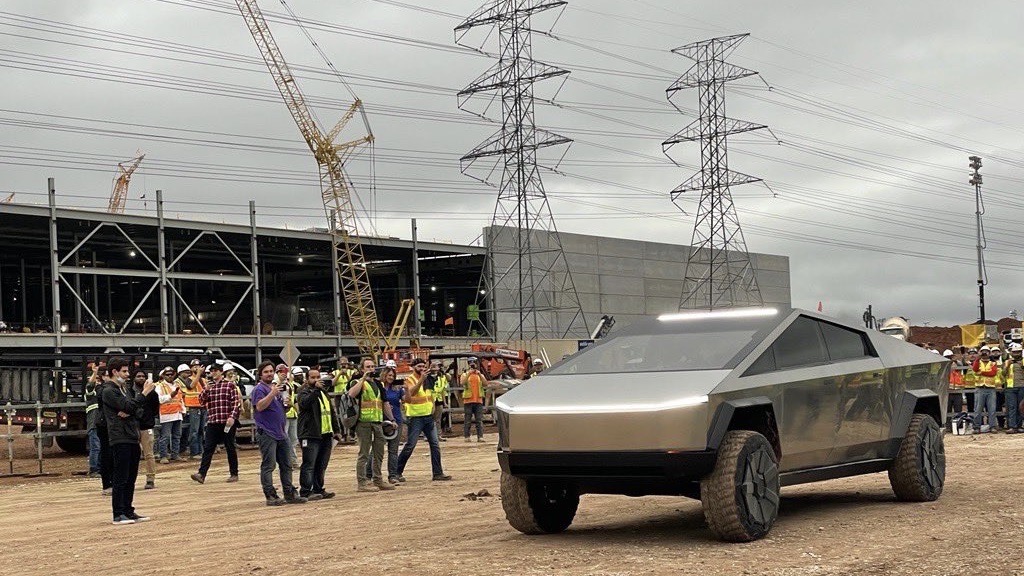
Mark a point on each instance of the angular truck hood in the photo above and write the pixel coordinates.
(602, 393)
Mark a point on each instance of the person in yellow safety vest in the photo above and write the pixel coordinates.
(985, 371)
(195, 411)
(291, 382)
(92, 415)
(437, 383)
(1014, 370)
(419, 412)
(474, 386)
(370, 429)
(343, 377)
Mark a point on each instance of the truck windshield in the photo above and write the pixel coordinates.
(658, 353)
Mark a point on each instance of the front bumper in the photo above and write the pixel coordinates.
(634, 473)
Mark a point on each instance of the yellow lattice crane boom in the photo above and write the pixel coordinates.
(337, 197)
(119, 195)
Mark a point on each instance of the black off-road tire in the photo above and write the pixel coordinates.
(536, 507)
(740, 496)
(78, 445)
(919, 470)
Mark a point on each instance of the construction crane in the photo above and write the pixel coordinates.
(350, 263)
(119, 195)
(391, 342)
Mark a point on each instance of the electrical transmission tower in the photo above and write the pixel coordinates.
(526, 288)
(719, 273)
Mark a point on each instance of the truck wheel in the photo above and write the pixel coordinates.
(77, 445)
(919, 470)
(741, 495)
(537, 507)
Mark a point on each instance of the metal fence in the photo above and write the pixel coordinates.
(39, 435)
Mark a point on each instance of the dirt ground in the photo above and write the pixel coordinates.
(849, 526)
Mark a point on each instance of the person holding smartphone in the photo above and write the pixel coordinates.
(373, 410)
(272, 437)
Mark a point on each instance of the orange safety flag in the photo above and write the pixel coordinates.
(449, 321)
(972, 335)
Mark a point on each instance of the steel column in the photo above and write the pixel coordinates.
(54, 259)
(254, 268)
(162, 264)
(336, 288)
(416, 281)
(24, 293)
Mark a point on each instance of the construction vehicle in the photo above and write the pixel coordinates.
(897, 327)
(60, 379)
(119, 195)
(330, 156)
(498, 363)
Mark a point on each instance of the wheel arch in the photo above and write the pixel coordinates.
(756, 414)
(915, 402)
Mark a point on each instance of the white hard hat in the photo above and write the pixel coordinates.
(1016, 347)
(184, 368)
(390, 364)
(166, 370)
(983, 349)
(538, 361)
(228, 366)
(296, 370)
(947, 352)
(390, 431)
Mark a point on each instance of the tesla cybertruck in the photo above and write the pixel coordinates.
(725, 407)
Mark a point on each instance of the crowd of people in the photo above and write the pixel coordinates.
(298, 418)
(984, 379)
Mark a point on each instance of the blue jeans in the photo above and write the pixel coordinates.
(424, 424)
(170, 437)
(196, 431)
(985, 401)
(1013, 398)
(274, 453)
(94, 450)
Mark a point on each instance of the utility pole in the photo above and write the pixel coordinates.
(719, 273)
(526, 289)
(979, 210)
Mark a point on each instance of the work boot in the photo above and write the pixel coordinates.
(164, 460)
(365, 486)
(313, 497)
(198, 478)
(441, 477)
(381, 484)
(274, 500)
(291, 497)
(232, 478)
(150, 484)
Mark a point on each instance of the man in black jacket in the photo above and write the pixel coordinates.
(318, 423)
(122, 409)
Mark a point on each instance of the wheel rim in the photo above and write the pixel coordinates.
(760, 486)
(932, 467)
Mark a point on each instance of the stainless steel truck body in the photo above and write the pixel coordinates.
(726, 407)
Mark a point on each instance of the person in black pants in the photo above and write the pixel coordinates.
(222, 402)
(318, 426)
(122, 409)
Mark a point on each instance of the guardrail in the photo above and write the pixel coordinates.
(11, 409)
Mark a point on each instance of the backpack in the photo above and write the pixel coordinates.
(349, 412)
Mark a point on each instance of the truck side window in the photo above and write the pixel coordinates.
(844, 344)
(800, 345)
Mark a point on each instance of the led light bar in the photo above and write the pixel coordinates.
(590, 409)
(712, 314)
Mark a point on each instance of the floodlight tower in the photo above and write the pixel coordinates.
(975, 164)
(719, 273)
(526, 287)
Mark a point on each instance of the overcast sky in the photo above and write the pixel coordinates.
(876, 104)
